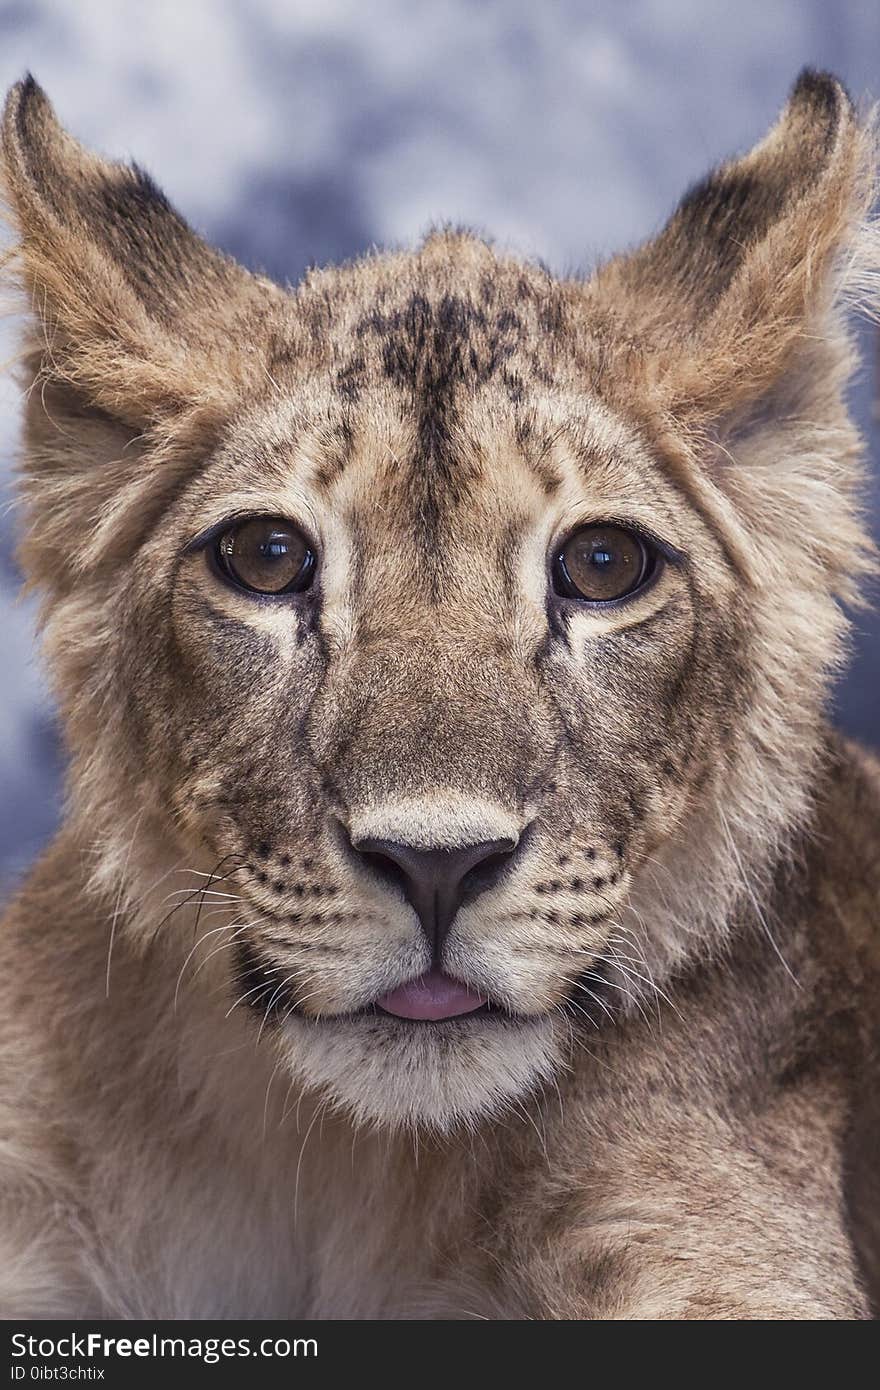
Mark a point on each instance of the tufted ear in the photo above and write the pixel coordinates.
(748, 273)
(136, 315)
(142, 341)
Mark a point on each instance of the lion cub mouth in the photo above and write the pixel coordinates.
(431, 997)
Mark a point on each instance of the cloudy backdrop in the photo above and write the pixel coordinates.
(293, 131)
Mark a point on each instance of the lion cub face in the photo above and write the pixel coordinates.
(436, 677)
(416, 606)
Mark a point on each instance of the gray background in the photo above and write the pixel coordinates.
(299, 132)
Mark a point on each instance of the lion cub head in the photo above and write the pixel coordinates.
(470, 628)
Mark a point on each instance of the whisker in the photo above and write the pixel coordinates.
(268, 1008)
(746, 883)
(191, 897)
(247, 994)
(319, 1111)
(204, 936)
(266, 1100)
(118, 908)
(225, 945)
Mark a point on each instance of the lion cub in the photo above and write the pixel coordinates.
(463, 907)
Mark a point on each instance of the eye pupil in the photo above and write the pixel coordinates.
(601, 563)
(266, 555)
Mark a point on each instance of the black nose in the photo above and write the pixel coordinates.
(436, 880)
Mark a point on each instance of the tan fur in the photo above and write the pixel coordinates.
(671, 1112)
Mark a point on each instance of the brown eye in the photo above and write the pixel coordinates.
(267, 556)
(600, 563)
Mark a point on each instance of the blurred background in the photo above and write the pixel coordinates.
(300, 131)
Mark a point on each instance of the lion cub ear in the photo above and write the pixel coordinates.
(137, 316)
(747, 276)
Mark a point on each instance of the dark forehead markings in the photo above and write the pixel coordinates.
(350, 378)
(586, 453)
(337, 443)
(360, 541)
(429, 349)
(537, 449)
(434, 344)
(508, 547)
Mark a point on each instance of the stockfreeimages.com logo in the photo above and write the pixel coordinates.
(94, 1346)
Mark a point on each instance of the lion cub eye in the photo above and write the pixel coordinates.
(266, 555)
(601, 563)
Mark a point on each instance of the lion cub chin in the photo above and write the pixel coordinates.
(463, 907)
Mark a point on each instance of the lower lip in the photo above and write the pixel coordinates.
(431, 998)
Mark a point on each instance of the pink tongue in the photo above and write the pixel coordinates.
(432, 996)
